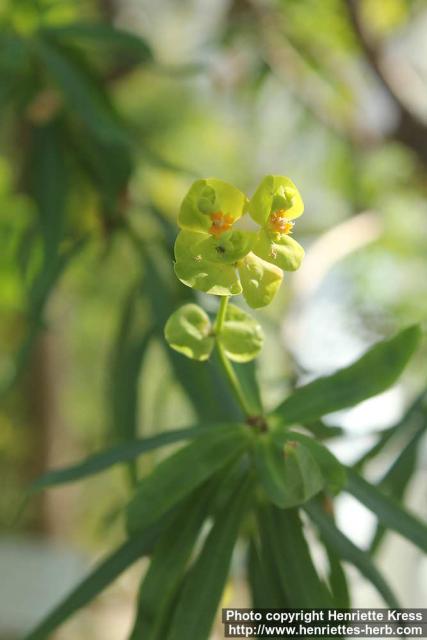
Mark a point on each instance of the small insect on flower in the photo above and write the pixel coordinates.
(215, 256)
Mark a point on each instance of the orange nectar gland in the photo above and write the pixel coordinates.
(279, 222)
(221, 222)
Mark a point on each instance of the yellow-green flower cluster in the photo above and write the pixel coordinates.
(218, 256)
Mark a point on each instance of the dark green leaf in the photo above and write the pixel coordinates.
(349, 552)
(262, 582)
(15, 69)
(167, 567)
(41, 288)
(111, 176)
(48, 177)
(337, 579)
(182, 472)
(397, 478)
(388, 511)
(246, 374)
(82, 92)
(130, 347)
(288, 474)
(95, 583)
(282, 531)
(115, 455)
(333, 472)
(372, 374)
(410, 420)
(103, 34)
(205, 581)
(324, 431)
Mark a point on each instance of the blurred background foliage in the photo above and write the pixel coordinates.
(110, 108)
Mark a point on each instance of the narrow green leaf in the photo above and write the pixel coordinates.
(337, 579)
(372, 374)
(264, 591)
(395, 482)
(288, 474)
(41, 289)
(102, 34)
(110, 457)
(324, 431)
(271, 567)
(15, 67)
(111, 176)
(167, 567)
(205, 581)
(129, 349)
(388, 511)
(48, 176)
(106, 572)
(349, 552)
(82, 90)
(283, 532)
(411, 419)
(246, 374)
(182, 472)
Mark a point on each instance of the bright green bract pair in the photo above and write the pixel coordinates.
(190, 332)
(216, 253)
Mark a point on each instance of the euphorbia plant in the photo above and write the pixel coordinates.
(262, 479)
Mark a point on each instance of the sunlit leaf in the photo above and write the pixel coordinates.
(167, 567)
(388, 511)
(395, 481)
(106, 572)
(349, 552)
(205, 581)
(337, 579)
(182, 472)
(115, 455)
(372, 374)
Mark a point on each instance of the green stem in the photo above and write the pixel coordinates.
(225, 362)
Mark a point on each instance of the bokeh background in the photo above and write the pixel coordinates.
(109, 110)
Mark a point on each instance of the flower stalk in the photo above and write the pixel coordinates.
(225, 362)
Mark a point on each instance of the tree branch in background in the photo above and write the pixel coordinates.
(288, 65)
(410, 130)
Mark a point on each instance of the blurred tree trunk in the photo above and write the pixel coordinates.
(49, 435)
